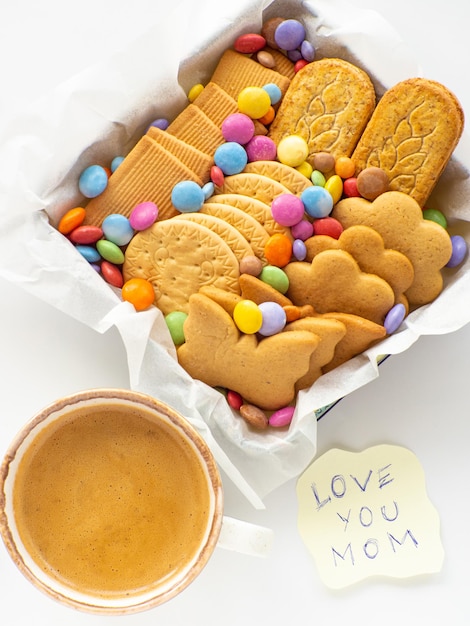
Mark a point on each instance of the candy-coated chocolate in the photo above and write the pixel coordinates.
(251, 264)
(318, 201)
(305, 168)
(269, 117)
(86, 234)
(324, 161)
(208, 190)
(289, 34)
(234, 399)
(143, 215)
(394, 318)
(303, 230)
(268, 30)
(299, 65)
(238, 127)
(350, 189)
(117, 229)
(276, 277)
(299, 249)
(161, 122)
(247, 317)
(334, 185)
(89, 253)
(344, 167)
(434, 215)
(278, 250)
(261, 148)
(274, 318)
(266, 59)
(459, 250)
(372, 182)
(138, 292)
(249, 43)
(318, 178)
(294, 55)
(110, 251)
(328, 226)
(274, 92)
(307, 50)
(287, 209)
(292, 150)
(282, 417)
(217, 176)
(254, 102)
(71, 220)
(254, 416)
(93, 181)
(187, 196)
(231, 157)
(116, 162)
(175, 323)
(195, 91)
(112, 274)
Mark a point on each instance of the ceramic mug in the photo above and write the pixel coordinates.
(111, 502)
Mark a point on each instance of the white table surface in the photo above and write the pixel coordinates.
(419, 401)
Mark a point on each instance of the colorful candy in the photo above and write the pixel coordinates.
(93, 181)
(254, 102)
(238, 127)
(249, 43)
(247, 316)
(175, 323)
(117, 229)
(274, 92)
(394, 318)
(292, 150)
(251, 264)
(89, 253)
(187, 196)
(261, 148)
(287, 209)
(109, 251)
(71, 220)
(289, 34)
(278, 249)
(86, 235)
(299, 249)
(274, 318)
(195, 91)
(434, 215)
(334, 185)
(112, 274)
(372, 182)
(303, 230)
(282, 417)
(459, 250)
(276, 277)
(328, 226)
(138, 292)
(231, 157)
(318, 201)
(143, 215)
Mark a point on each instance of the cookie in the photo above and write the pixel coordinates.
(178, 257)
(148, 174)
(226, 299)
(367, 247)
(257, 209)
(254, 186)
(253, 288)
(216, 353)
(330, 331)
(328, 103)
(360, 335)
(398, 218)
(252, 230)
(333, 281)
(411, 136)
(235, 71)
(194, 127)
(235, 240)
(291, 178)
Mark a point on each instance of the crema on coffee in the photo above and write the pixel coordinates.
(108, 501)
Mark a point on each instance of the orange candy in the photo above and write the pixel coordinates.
(71, 220)
(278, 250)
(268, 118)
(138, 292)
(344, 167)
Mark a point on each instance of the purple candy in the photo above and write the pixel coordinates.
(299, 249)
(160, 123)
(303, 230)
(274, 318)
(294, 55)
(394, 318)
(261, 148)
(289, 35)
(459, 250)
(307, 51)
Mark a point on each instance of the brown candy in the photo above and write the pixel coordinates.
(372, 182)
(254, 416)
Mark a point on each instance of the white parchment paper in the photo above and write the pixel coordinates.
(100, 114)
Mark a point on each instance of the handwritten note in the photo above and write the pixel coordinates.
(368, 514)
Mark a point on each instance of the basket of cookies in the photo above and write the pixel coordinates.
(264, 218)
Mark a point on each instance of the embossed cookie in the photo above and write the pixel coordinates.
(333, 281)
(291, 178)
(257, 209)
(411, 136)
(399, 220)
(178, 257)
(360, 335)
(329, 104)
(367, 247)
(218, 354)
(253, 185)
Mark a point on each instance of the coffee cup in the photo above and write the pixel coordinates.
(111, 502)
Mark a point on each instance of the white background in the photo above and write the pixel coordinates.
(419, 400)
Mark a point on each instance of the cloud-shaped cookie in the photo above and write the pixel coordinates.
(217, 353)
(367, 246)
(333, 281)
(399, 220)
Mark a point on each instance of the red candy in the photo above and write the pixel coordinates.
(234, 399)
(350, 188)
(249, 43)
(86, 235)
(112, 274)
(300, 64)
(217, 176)
(327, 226)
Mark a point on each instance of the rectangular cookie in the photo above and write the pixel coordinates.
(193, 126)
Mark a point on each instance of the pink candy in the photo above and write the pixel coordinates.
(261, 148)
(238, 127)
(287, 209)
(282, 417)
(143, 215)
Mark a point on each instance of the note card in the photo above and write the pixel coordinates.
(368, 514)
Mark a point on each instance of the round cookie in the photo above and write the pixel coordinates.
(253, 185)
(178, 257)
(287, 176)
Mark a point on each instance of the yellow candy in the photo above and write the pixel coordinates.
(254, 102)
(292, 150)
(247, 316)
(334, 185)
(305, 168)
(195, 91)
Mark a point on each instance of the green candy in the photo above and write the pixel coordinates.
(109, 251)
(434, 215)
(317, 178)
(175, 322)
(276, 277)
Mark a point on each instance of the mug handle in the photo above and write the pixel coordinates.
(245, 537)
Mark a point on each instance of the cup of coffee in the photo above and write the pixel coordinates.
(110, 501)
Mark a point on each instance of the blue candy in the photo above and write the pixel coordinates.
(89, 253)
(318, 201)
(187, 196)
(116, 162)
(117, 228)
(93, 181)
(274, 92)
(231, 157)
(208, 190)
